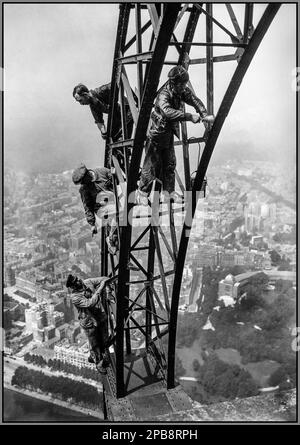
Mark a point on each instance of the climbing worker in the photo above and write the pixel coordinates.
(99, 102)
(160, 159)
(88, 298)
(96, 191)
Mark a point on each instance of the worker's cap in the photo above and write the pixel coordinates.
(178, 74)
(79, 173)
(71, 280)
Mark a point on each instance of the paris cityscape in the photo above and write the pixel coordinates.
(187, 312)
(243, 244)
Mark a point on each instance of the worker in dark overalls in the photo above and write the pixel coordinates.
(88, 298)
(160, 159)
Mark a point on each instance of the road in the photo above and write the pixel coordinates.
(10, 292)
(10, 365)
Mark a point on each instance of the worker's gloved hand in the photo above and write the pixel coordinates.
(100, 288)
(102, 129)
(94, 230)
(195, 118)
(209, 119)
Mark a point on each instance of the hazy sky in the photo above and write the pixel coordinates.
(48, 48)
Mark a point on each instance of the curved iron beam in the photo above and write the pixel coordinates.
(224, 109)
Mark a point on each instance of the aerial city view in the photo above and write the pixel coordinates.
(237, 305)
(149, 213)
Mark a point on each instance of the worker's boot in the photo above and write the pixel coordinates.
(106, 359)
(104, 363)
(111, 248)
(100, 367)
(99, 364)
(92, 357)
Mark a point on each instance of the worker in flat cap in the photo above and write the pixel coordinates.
(160, 159)
(90, 299)
(98, 100)
(96, 191)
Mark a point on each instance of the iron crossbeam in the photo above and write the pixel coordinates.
(232, 36)
(121, 144)
(190, 141)
(161, 268)
(156, 277)
(234, 20)
(133, 39)
(129, 92)
(139, 248)
(234, 45)
(225, 58)
(140, 237)
(140, 57)
(138, 264)
(144, 308)
(145, 326)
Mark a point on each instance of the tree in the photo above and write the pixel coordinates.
(281, 310)
(196, 365)
(245, 239)
(283, 285)
(252, 297)
(225, 380)
(237, 270)
(285, 265)
(27, 357)
(275, 257)
(179, 369)
(279, 376)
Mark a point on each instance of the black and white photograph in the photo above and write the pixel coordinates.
(149, 216)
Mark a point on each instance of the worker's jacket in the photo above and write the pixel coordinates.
(168, 110)
(101, 104)
(89, 303)
(89, 192)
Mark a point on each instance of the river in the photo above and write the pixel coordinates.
(19, 407)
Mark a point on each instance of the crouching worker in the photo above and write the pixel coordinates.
(96, 192)
(98, 100)
(99, 103)
(88, 298)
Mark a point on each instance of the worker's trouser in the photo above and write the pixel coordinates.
(160, 163)
(106, 217)
(98, 337)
